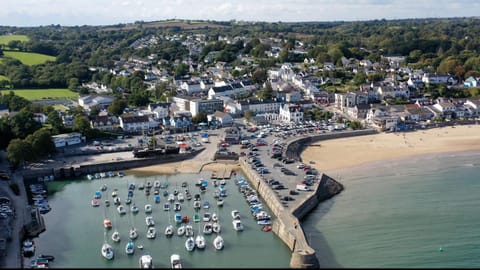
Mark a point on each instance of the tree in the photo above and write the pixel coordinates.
(248, 115)
(81, 124)
(181, 70)
(23, 124)
(19, 151)
(42, 143)
(267, 92)
(57, 124)
(117, 106)
(259, 76)
(199, 118)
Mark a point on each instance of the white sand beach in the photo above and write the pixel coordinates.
(343, 153)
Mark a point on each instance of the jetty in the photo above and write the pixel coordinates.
(225, 174)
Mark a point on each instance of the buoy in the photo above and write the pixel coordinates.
(440, 249)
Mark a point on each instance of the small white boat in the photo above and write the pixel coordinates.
(171, 197)
(214, 217)
(181, 230)
(28, 248)
(146, 262)
(156, 184)
(208, 228)
(237, 225)
(175, 262)
(218, 242)
(114, 193)
(216, 227)
(151, 233)
(188, 230)
(180, 197)
(90, 177)
(130, 248)
(116, 236)
(149, 221)
(235, 214)
(200, 241)
(220, 202)
(132, 233)
(134, 209)
(121, 209)
(190, 243)
(148, 208)
(107, 251)
(169, 230)
(206, 205)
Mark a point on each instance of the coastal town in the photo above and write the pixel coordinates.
(222, 110)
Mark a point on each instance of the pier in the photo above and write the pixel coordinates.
(225, 174)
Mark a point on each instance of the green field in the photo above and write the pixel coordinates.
(4, 39)
(3, 78)
(32, 94)
(29, 59)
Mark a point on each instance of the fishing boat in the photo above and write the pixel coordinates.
(156, 184)
(207, 216)
(196, 217)
(267, 228)
(169, 230)
(107, 203)
(190, 243)
(165, 193)
(200, 241)
(184, 184)
(188, 230)
(141, 186)
(216, 227)
(197, 205)
(151, 233)
(120, 174)
(95, 202)
(130, 193)
(149, 221)
(128, 201)
(107, 251)
(181, 230)
(166, 207)
(208, 228)
(188, 196)
(178, 218)
(146, 262)
(130, 248)
(117, 201)
(148, 208)
(218, 242)
(107, 223)
(148, 185)
(235, 214)
(237, 225)
(177, 207)
(131, 186)
(175, 262)
(206, 205)
(114, 193)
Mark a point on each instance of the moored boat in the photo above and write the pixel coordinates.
(235, 214)
(116, 236)
(196, 217)
(169, 230)
(190, 243)
(181, 230)
(130, 248)
(200, 241)
(149, 221)
(151, 233)
(132, 233)
(148, 208)
(178, 218)
(237, 225)
(175, 262)
(107, 223)
(177, 207)
(166, 207)
(216, 227)
(207, 216)
(218, 242)
(146, 262)
(28, 248)
(157, 198)
(95, 202)
(107, 251)
(208, 228)
(188, 230)
(121, 210)
(134, 209)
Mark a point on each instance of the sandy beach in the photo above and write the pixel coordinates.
(188, 166)
(343, 153)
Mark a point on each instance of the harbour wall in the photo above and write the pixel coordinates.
(76, 171)
(287, 226)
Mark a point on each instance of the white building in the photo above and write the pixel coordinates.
(66, 139)
(290, 113)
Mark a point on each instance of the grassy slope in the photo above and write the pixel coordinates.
(32, 94)
(4, 39)
(29, 59)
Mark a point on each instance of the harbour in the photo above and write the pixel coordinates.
(80, 227)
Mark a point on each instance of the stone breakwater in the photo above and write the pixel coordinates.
(287, 225)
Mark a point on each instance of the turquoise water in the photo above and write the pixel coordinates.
(421, 212)
(75, 230)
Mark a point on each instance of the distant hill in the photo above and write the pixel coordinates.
(183, 24)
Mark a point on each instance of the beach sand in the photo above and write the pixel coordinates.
(188, 166)
(331, 155)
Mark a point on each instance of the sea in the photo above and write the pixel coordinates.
(417, 212)
(75, 232)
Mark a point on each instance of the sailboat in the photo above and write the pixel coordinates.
(218, 242)
(169, 228)
(107, 250)
(190, 243)
(130, 248)
(200, 239)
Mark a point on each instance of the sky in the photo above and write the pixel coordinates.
(108, 12)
